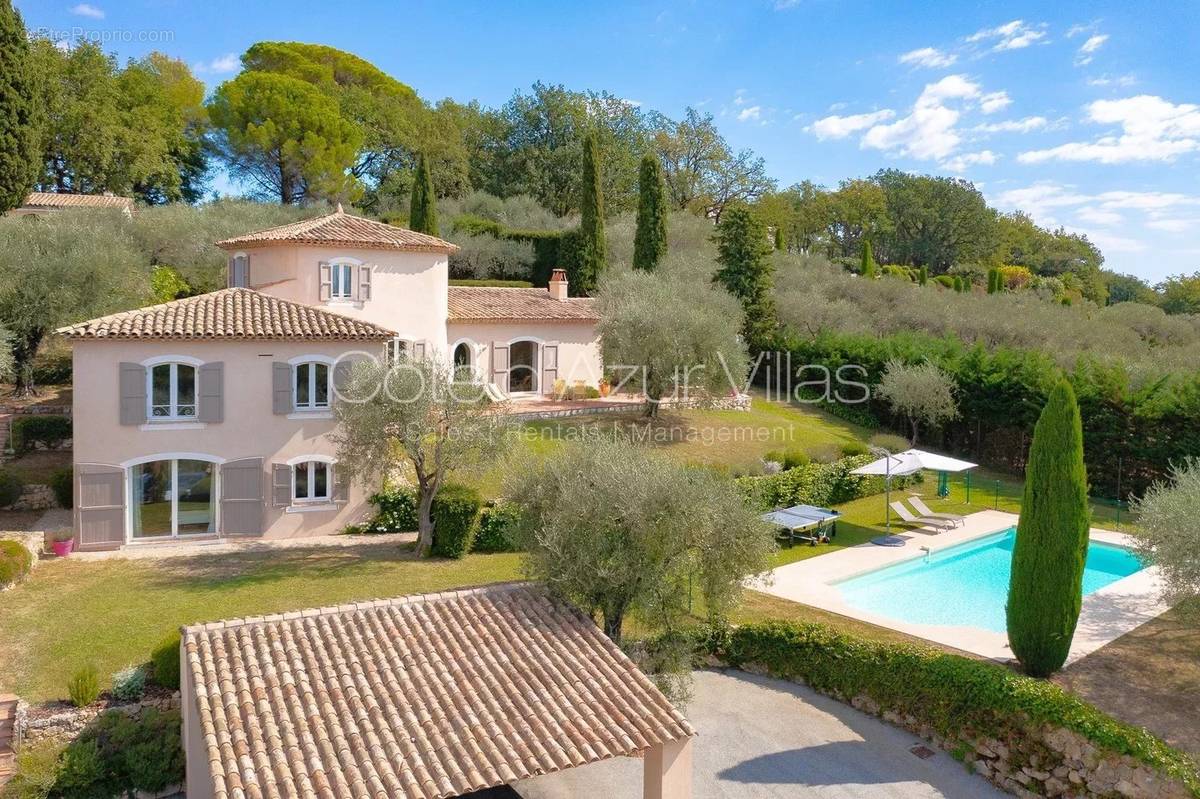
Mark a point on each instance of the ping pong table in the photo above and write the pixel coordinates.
(804, 523)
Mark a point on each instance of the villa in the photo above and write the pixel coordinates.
(209, 417)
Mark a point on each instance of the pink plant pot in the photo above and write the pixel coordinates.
(63, 548)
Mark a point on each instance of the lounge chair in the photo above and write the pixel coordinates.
(924, 510)
(906, 515)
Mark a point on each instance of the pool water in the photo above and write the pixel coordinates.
(967, 585)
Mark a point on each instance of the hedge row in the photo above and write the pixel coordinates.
(959, 698)
(552, 249)
(489, 529)
(821, 484)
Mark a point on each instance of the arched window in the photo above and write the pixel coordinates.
(312, 479)
(171, 390)
(463, 358)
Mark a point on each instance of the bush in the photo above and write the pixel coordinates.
(852, 448)
(821, 484)
(958, 698)
(455, 515)
(118, 755)
(497, 524)
(396, 511)
(62, 483)
(165, 660)
(15, 562)
(37, 771)
(29, 431)
(789, 459)
(84, 686)
(11, 486)
(129, 684)
(52, 367)
(891, 443)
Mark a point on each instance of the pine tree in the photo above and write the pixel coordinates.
(746, 272)
(422, 213)
(868, 260)
(18, 112)
(923, 276)
(593, 249)
(650, 240)
(1046, 586)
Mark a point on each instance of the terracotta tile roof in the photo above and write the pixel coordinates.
(235, 313)
(49, 199)
(342, 229)
(486, 302)
(425, 696)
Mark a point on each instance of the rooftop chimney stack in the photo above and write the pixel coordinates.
(558, 284)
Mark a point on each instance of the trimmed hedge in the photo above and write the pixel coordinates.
(15, 562)
(497, 521)
(959, 698)
(62, 483)
(821, 484)
(396, 511)
(29, 431)
(455, 515)
(552, 249)
(165, 659)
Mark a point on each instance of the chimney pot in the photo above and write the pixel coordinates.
(558, 284)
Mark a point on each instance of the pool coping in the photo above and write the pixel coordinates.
(1105, 615)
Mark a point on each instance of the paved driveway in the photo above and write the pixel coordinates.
(760, 737)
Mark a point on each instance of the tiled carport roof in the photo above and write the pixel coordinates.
(424, 696)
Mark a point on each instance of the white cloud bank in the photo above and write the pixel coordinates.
(1014, 35)
(87, 10)
(1152, 129)
(839, 127)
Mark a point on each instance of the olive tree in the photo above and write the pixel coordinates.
(921, 393)
(414, 416)
(615, 528)
(1168, 530)
(672, 338)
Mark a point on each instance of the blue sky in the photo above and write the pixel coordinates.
(1086, 115)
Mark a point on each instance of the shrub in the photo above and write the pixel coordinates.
(37, 771)
(62, 483)
(788, 459)
(129, 684)
(396, 511)
(455, 515)
(29, 431)
(165, 660)
(118, 755)
(11, 486)
(84, 686)
(852, 448)
(822, 484)
(892, 443)
(960, 699)
(52, 367)
(15, 562)
(497, 525)
(82, 773)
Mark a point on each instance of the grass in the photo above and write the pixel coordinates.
(39, 465)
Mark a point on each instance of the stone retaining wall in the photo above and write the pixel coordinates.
(34, 496)
(33, 541)
(39, 723)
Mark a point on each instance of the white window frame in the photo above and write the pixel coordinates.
(174, 362)
(472, 349)
(341, 279)
(308, 462)
(174, 458)
(311, 361)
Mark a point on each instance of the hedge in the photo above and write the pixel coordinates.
(15, 562)
(496, 523)
(455, 515)
(62, 483)
(395, 511)
(959, 698)
(11, 487)
(165, 659)
(821, 484)
(29, 431)
(492, 283)
(552, 249)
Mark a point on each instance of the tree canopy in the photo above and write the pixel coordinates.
(650, 239)
(18, 112)
(746, 271)
(1168, 532)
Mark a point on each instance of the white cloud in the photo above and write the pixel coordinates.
(839, 127)
(1174, 225)
(1152, 129)
(959, 163)
(1099, 216)
(1013, 35)
(928, 132)
(1110, 243)
(1088, 49)
(1025, 125)
(87, 10)
(1046, 199)
(1119, 80)
(928, 57)
(753, 112)
(994, 101)
(220, 65)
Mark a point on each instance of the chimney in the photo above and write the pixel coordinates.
(558, 284)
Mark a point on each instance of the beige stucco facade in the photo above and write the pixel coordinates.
(578, 347)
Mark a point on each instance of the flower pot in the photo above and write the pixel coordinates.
(605, 388)
(63, 548)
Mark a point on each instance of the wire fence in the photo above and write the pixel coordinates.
(983, 491)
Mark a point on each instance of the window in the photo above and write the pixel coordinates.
(172, 498)
(172, 391)
(310, 386)
(523, 367)
(310, 481)
(342, 276)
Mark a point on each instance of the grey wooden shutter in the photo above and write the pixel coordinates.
(99, 505)
(246, 270)
(212, 391)
(281, 388)
(242, 497)
(500, 365)
(324, 281)
(418, 350)
(549, 367)
(341, 485)
(132, 384)
(281, 485)
(364, 283)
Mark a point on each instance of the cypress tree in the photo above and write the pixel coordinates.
(1046, 587)
(868, 261)
(18, 112)
(746, 272)
(422, 213)
(593, 249)
(923, 276)
(650, 240)
(780, 240)
(958, 284)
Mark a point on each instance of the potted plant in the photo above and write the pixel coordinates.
(62, 542)
(605, 387)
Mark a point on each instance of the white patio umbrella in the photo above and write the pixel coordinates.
(909, 461)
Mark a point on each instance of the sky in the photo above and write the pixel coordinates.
(1084, 114)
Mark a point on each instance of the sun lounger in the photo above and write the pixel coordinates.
(924, 510)
(907, 516)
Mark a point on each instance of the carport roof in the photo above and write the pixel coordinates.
(423, 696)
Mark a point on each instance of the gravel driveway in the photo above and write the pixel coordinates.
(760, 737)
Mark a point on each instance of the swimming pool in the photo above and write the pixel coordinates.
(967, 584)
